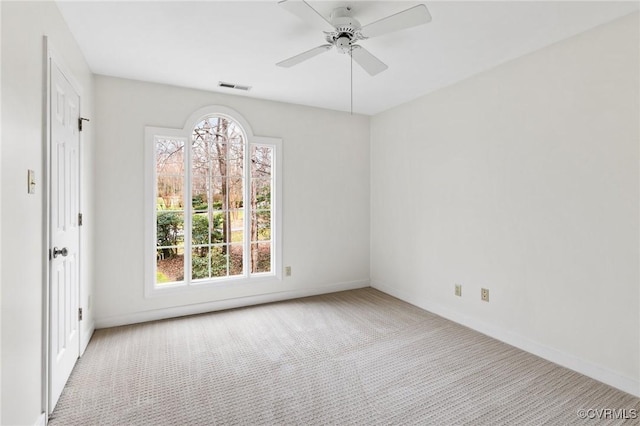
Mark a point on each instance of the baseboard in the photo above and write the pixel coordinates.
(86, 336)
(42, 420)
(200, 308)
(597, 372)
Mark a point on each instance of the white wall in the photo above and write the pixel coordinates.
(523, 180)
(23, 252)
(325, 197)
(0, 212)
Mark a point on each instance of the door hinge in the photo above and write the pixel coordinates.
(79, 314)
(79, 219)
(80, 120)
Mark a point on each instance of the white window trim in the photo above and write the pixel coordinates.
(150, 287)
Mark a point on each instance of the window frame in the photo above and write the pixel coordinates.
(150, 211)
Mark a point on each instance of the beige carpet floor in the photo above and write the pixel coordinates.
(355, 357)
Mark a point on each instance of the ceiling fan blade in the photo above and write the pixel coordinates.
(366, 60)
(302, 10)
(295, 60)
(411, 17)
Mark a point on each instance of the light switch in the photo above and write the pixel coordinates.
(31, 182)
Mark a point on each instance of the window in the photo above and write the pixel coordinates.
(213, 205)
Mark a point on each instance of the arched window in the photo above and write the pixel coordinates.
(214, 210)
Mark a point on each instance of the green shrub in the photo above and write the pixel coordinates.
(169, 231)
(200, 264)
(199, 202)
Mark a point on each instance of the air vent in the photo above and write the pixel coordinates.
(233, 86)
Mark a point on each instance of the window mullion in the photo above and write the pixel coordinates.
(246, 202)
(188, 210)
(227, 212)
(210, 186)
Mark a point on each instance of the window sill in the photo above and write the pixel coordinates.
(203, 285)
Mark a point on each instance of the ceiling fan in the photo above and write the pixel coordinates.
(343, 31)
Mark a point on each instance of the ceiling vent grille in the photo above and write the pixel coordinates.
(233, 86)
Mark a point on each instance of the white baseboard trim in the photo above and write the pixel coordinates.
(42, 420)
(597, 372)
(218, 305)
(86, 336)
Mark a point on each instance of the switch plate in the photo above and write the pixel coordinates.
(484, 294)
(458, 291)
(31, 182)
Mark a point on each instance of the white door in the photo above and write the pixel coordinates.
(64, 339)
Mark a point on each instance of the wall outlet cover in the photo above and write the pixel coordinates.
(484, 294)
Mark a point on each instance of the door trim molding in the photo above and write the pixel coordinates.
(50, 56)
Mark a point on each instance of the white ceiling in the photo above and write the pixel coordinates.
(197, 44)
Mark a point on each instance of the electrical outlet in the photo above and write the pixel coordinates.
(484, 294)
(287, 271)
(459, 290)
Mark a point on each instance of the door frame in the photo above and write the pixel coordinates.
(50, 56)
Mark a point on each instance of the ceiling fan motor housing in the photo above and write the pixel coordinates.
(346, 32)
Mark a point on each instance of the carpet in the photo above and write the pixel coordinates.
(354, 357)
